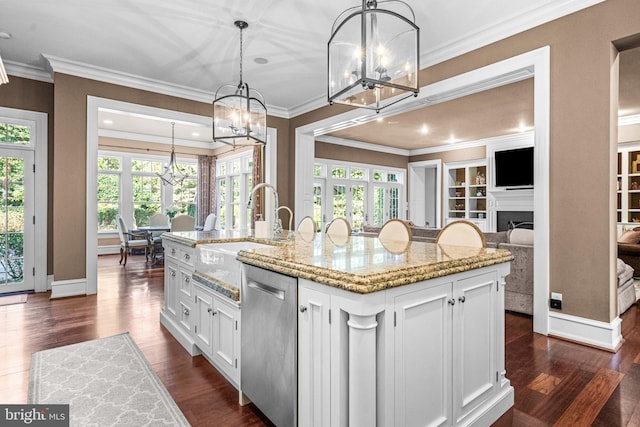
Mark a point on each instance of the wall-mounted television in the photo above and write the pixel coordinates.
(514, 168)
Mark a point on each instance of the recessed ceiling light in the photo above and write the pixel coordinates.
(195, 134)
(424, 129)
(4, 35)
(107, 122)
(380, 119)
(452, 139)
(261, 60)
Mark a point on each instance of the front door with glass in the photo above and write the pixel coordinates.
(17, 265)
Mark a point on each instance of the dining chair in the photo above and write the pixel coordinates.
(395, 229)
(130, 240)
(157, 220)
(307, 225)
(183, 223)
(209, 222)
(339, 227)
(461, 233)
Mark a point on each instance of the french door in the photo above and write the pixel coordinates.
(349, 201)
(17, 230)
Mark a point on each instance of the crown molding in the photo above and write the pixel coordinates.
(485, 142)
(131, 136)
(362, 145)
(56, 64)
(508, 27)
(28, 71)
(629, 120)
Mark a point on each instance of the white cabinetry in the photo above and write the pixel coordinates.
(177, 315)
(429, 353)
(202, 320)
(226, 337)
(314, 356)
(466, 192)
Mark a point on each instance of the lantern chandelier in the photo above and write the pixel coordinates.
(374, 55)
(172, 174)
(239, 113)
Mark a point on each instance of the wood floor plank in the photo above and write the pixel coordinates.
(587, 405)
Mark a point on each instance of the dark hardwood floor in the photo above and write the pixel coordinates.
(556, 382)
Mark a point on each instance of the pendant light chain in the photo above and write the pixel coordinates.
(241, 55)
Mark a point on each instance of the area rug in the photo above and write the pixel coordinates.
(13, 299)
(106, 382)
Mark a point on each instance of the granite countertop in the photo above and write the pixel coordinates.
(359, 264)
(365, 264)
(195, 238)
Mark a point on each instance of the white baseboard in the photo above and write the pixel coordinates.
(68, 288)
(603, 335)
(49, 282)
(108, 250)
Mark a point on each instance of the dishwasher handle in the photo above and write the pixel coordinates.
(269, 290)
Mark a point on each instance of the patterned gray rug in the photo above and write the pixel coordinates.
(106, 382)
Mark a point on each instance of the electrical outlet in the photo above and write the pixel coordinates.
(556, 295)
(556, 303)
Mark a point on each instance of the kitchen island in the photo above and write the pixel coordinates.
(387, 333)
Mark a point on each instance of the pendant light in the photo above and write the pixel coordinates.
(172, 174)
(239, 113)
(374, 55)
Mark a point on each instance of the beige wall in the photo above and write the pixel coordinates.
(324, 150)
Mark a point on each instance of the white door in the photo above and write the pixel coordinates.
(386, 203)
(423, 357)
(17, 229)
(474, 343)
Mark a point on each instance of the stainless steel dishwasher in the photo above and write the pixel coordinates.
(269, 362)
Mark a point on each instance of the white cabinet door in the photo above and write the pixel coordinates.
(171, 276)
(185, 314)
(226, 337)
(314, 354)
(474, 342)
(202, 318)
(423, 357)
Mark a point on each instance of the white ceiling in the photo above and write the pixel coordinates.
(190, 48)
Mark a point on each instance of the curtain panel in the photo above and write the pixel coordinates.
(206, 188)
(257, 179)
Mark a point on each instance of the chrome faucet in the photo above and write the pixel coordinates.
(277, 224)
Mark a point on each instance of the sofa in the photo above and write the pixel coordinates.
(629, 249)
(519, 283)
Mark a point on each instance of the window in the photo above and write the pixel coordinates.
(128, 184)
(147, 189)
(364, 194)
(234, 181)
(108, 192)
(15, 134)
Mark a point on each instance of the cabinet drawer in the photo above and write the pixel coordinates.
(185, 283)
(171, 251)
(185, 314)
(187, 256)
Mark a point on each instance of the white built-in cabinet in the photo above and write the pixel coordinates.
(430, 353)
(202, 320)
(465, 192)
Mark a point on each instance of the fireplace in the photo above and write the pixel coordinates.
(506, 220)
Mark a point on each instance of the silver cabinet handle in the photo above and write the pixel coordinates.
(303, 308)
(462, 299)
(187, 279)
(451, 301)
(187, 257)
(173, 273)
(185, 311)
(173, 251)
